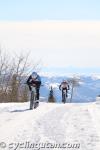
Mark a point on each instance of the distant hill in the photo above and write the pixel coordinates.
(86, 92)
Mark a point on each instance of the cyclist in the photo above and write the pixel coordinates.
(34, 79)
(64, 86)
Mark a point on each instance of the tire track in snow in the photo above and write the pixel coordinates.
(18, 124)
(56, 123)
(64, 124)
(51, 125)
(80, 128)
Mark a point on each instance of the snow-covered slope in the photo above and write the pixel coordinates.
(64, 125)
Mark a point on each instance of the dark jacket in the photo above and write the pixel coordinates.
(37, 82)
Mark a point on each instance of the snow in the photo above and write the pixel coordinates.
(67, 125)
(95, 76)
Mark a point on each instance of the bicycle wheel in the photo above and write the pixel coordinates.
(64, 98)
(35, 102)
(32, 100)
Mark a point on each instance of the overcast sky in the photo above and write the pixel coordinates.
(61, 33)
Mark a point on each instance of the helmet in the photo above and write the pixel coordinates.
(65, 81)
(34, 75)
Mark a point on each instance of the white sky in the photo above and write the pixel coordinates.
(56, 43)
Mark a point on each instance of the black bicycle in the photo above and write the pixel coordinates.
(33, 100)
(64, 96)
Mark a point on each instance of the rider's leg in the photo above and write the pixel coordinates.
(66, 93)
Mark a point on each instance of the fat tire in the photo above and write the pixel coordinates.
(64, 98)
(32, 100)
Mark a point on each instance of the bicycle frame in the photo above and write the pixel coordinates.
(64, 97)
(33, 89)
(33, 97)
